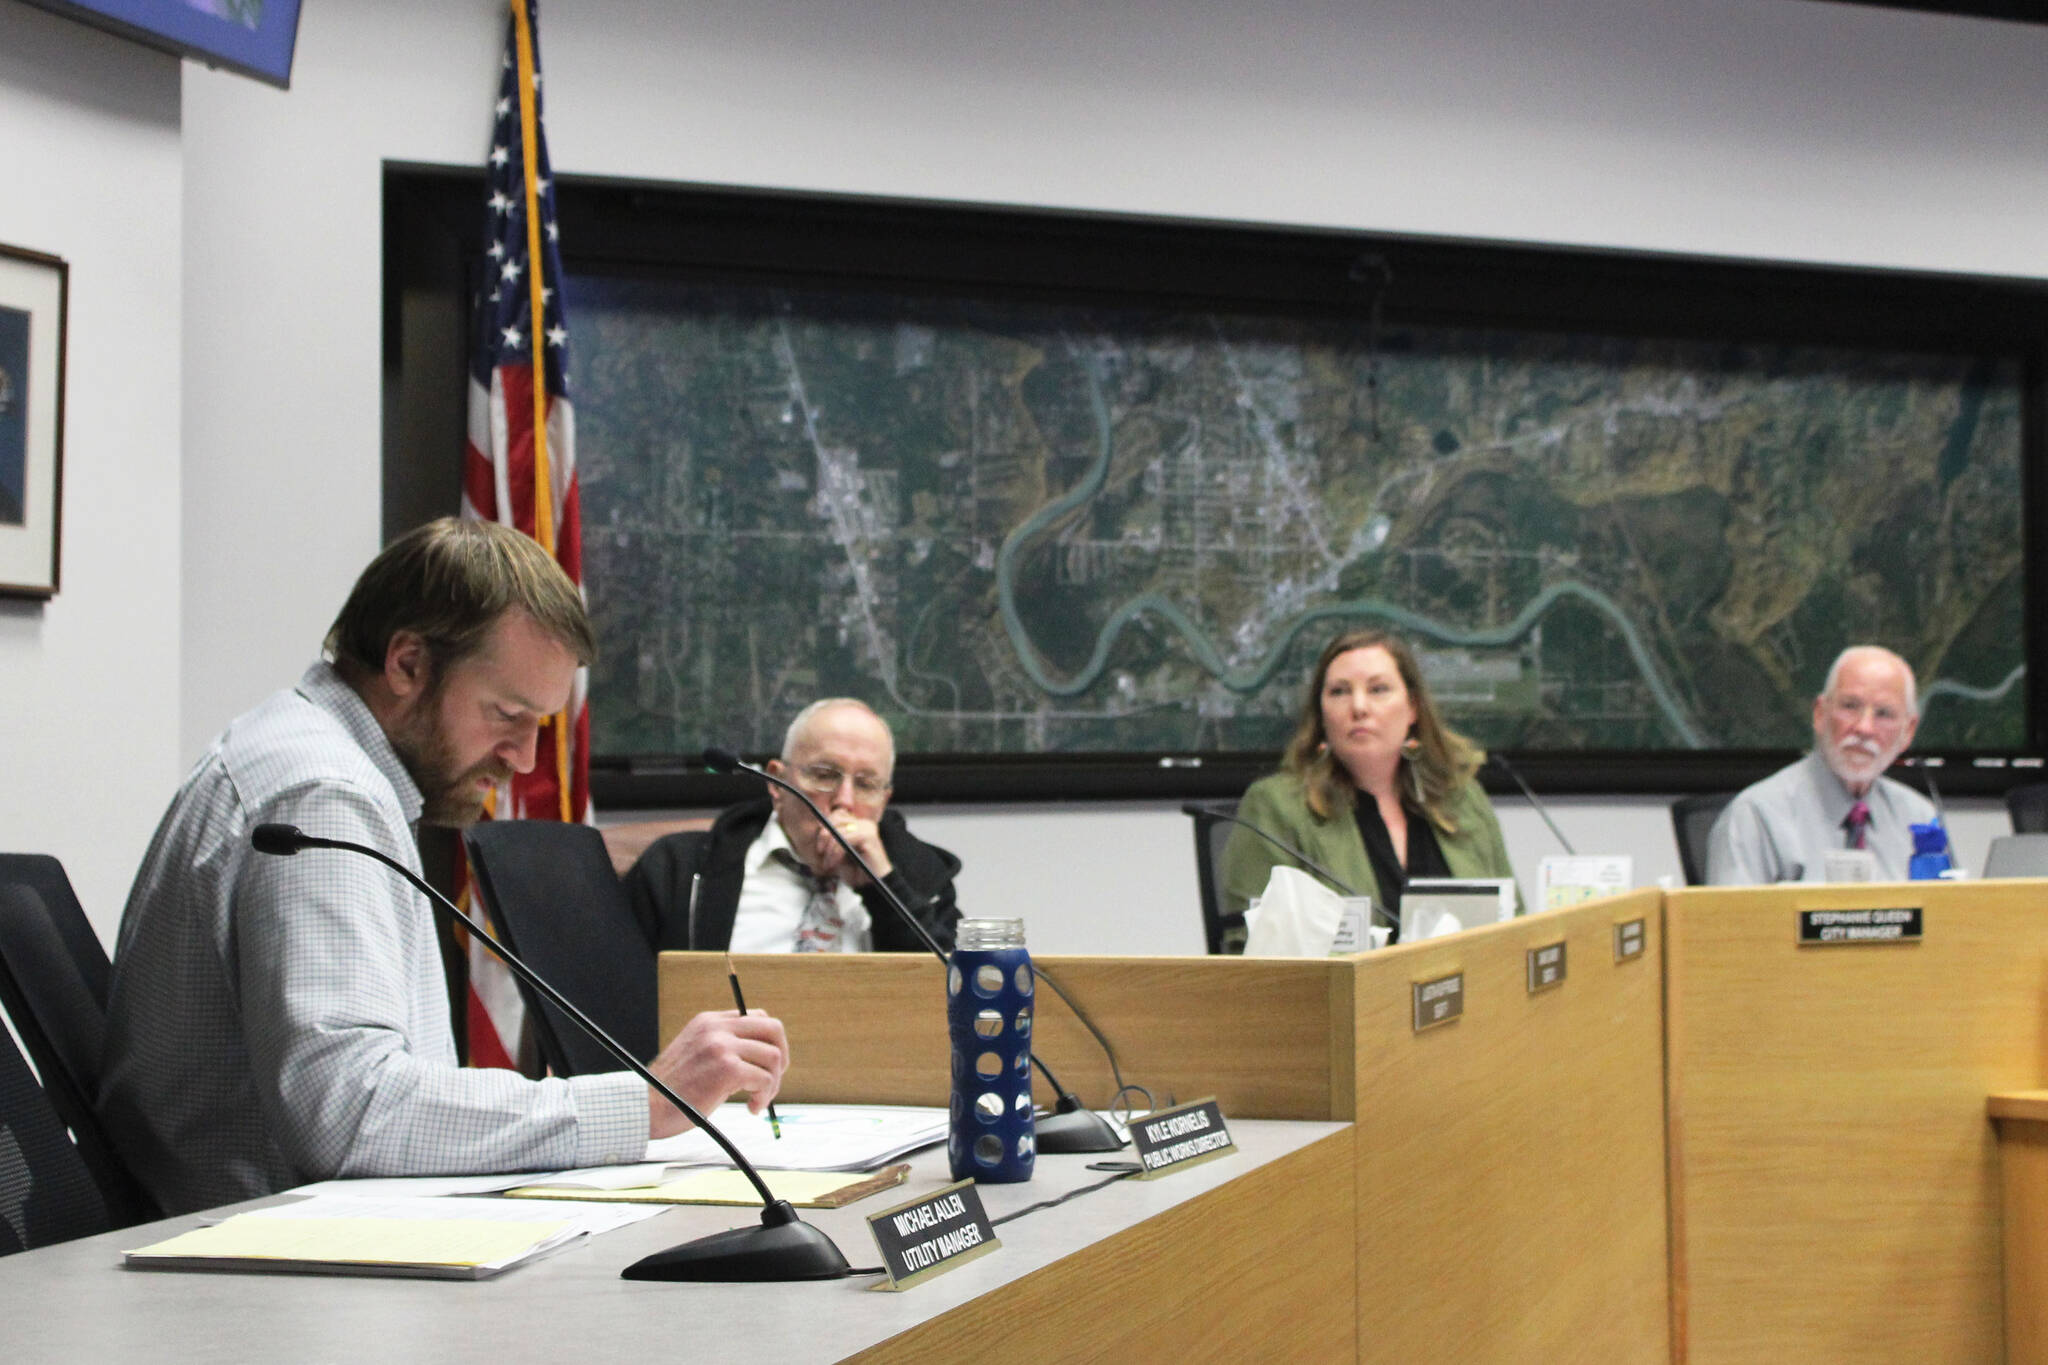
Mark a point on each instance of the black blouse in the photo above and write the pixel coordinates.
(1425, 856)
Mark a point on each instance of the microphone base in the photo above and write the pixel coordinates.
(1078, 1130)
(772, 1253)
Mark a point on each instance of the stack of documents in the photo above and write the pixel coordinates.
(712, 1185)
(440, 1238)
(440, 1226)
(815, 1137)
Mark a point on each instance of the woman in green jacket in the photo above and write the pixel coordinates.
(1373, 786)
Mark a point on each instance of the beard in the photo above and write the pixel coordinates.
(1856, 762)
(450, 796)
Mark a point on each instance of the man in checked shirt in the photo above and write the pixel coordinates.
(277, 1020)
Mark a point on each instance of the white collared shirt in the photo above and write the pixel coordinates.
(278, 1020)
(773, 897)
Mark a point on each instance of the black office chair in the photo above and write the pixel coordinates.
(49, 998)
(552, 891)
(1692, 820)
(46, 1192)
(44, 875)
(1223, 929)
(2028, 807)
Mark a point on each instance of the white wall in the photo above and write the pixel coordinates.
(1746, 127)
(89, 170)
(1765, 128)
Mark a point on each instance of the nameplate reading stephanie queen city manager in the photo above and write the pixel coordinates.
(1174, 1139)
(932, 1235)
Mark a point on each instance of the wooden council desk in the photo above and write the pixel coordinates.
(2022, 1120)
(1245, 1257)
(1508, 1168)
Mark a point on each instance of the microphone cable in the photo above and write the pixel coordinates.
(1059, 1199)
(1123, 1087)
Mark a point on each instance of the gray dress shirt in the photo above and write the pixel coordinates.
(277, 1020)
(1783, 828)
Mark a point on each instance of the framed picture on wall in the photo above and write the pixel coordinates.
(33, 290)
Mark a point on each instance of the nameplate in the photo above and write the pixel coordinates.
(1630, 937)
(932, 1235)
(1174, 1139)
(1895, 924)
(1354, 918)
(1439, 1001)
(1546, 967)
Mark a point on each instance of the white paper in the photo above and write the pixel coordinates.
(1359, 930)
(1566, 880)
(815, 1137)
(636, 1176)
(1850, 865)
(416, 1186)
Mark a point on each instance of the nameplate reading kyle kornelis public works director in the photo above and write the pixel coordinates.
(1173, 1139)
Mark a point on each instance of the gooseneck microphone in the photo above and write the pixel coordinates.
(1073, 1127)
(784, 1247)
(1948, 844)
(1500, 761)
(1308, 864)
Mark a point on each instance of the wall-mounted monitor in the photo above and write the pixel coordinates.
(253, 37)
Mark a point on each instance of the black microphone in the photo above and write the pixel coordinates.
(1501, 761)
(1073, 1127)
(1308, 864)
(784, 1247)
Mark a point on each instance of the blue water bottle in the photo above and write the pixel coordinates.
(1930, 852)
(989, 992)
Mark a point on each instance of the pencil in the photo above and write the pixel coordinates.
(732, 974)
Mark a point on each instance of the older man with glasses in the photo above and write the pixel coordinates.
(767, 878)
(1783, 828)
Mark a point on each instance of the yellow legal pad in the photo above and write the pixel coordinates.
(804, 1189)
(339, 1243)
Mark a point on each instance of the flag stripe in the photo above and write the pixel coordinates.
(543, 481)
(529, 140)
(519, 463)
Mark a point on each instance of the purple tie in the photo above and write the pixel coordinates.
(1858, 821)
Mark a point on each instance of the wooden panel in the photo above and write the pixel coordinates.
(871, 1028)
(625, 843)
(2023, 1176)
(1511, 1164)
(1834, 1177)
(1260, 1269)
(2019, 1104)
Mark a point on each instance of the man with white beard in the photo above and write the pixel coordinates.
(1783, 828)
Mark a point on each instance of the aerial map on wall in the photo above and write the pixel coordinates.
(1019, 527)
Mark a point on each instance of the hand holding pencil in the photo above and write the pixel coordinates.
(714, 1057)
(739, 1001)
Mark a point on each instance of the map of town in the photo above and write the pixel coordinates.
(1019, 526)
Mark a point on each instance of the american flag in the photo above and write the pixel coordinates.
(519, 467)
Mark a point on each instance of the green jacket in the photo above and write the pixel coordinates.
(1278, 805)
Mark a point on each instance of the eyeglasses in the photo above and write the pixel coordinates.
(1852, 709)
(822, 779)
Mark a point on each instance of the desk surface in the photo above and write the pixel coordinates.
(77, 1302)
